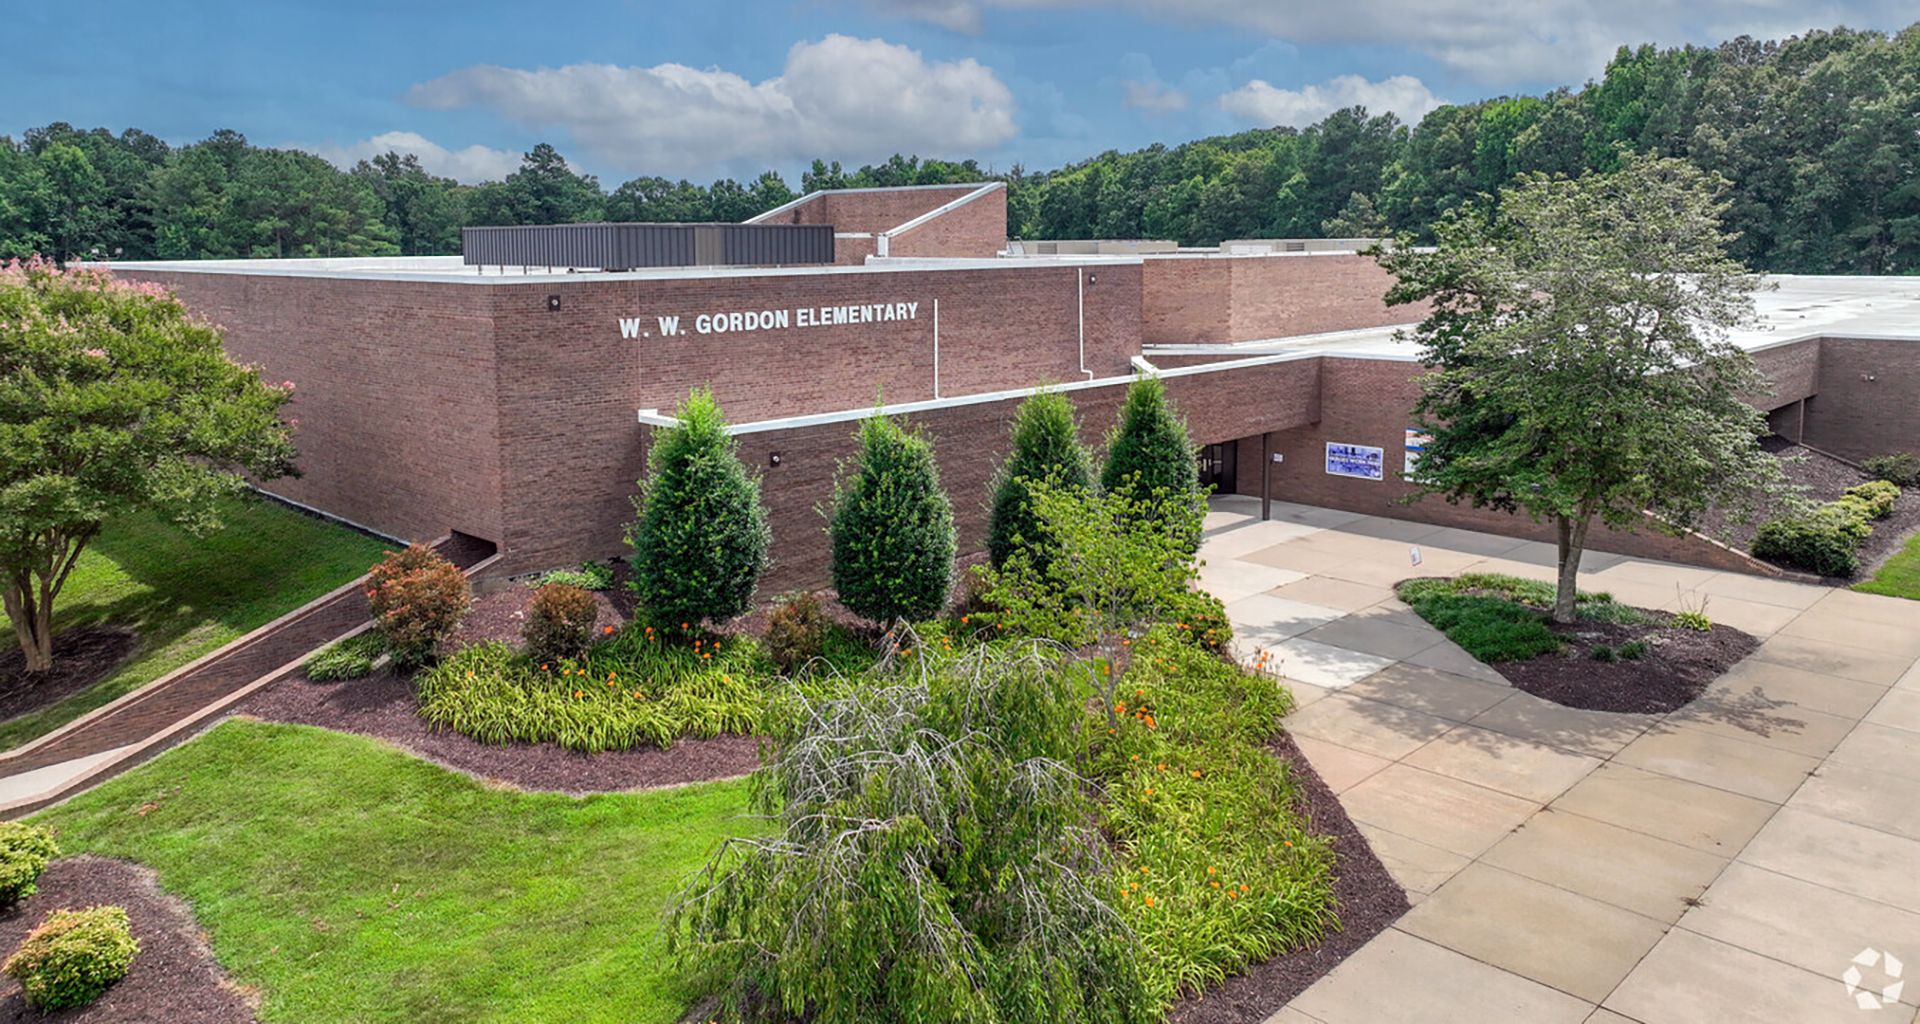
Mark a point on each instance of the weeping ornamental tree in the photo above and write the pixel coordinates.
(892, 527)
(1151, 460)
(700, 542)
(113, 400)
(1046, 449)
(1578, 364)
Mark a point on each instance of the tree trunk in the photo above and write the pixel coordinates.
(1573, 543)
(32, 626)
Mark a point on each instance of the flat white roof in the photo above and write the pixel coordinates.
(1794, 308)
(453, 270)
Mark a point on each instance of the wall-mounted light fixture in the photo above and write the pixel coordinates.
(1092, 279)
(553, 303)
(774, 458)
(1868, 377)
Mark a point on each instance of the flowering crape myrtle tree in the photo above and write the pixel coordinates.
(1578, 364)
(113, 400)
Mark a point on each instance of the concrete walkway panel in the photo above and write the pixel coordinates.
(1667, 808)
(1341, 768)
(1866, 862)
(1455, 816)
(1751, 769)
(1531, 771)
(1900, 709)
(1430, 985)
(1322, 664)
(1263, 617)
(1842, 624)
(1471, 542)
(1863, 796)
(1231, 579)
(1332, 593)
(1570, 942)
(1295, 557)
(1743, 587)
(1764, 721)
(1431, 691)
(1842, 660)
(1689, 979)
(1888, 611)
(1449, 657)
(1418, 867)
(1651, 877)
(1595, 733)
(1810, 926)
(1882, 748)
(1375, 636)
(1755, 681)
(1757, 617)
(1368, 726)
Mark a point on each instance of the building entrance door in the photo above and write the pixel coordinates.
(1218, 463)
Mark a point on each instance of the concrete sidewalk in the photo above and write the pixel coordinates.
(1732, 861)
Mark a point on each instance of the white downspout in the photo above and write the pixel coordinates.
(1080, 291)
(936, 348)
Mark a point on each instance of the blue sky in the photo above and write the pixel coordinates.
(706, 89)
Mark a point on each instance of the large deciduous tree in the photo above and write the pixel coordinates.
(1577, 354)
(112, 399)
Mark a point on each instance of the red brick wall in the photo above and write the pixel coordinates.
(976, 228)
(872, 211)
(1367, 402)
(395, 392)
(852, 251)
(1794, 371)
(1854, 417)
(1218, 299)
(969, 442)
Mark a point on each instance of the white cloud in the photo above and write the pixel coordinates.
(1154, 97)
(1499, 41)
(1260, 104)
(840, 98)
(474, 163)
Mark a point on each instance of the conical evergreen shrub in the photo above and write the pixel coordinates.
(700, 542)
(1149, 456)
(891, 527)
(1046, 448)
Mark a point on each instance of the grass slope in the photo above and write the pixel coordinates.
(187, 595)
(352, 882)
(1899, 576)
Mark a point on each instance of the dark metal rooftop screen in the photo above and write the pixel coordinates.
(633, 246)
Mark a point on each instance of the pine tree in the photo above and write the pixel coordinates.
(1149, 456)
(700, 542)
(1046, 448)
(891, 527)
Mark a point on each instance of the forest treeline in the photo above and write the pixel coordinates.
(1819, 136)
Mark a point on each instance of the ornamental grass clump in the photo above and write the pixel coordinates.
(638, 687)
(72, 957)
(700, 542)
(934, 859)
(417, 599)
(351, 658)
(25, 852)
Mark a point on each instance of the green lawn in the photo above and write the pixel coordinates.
(188, 595)
(351, 882)
(1900, 576)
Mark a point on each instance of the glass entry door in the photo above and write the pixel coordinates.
(1217, 465)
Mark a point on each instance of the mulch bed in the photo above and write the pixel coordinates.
(174, 977)
(81, 657)
(1367, 897)
(1678, 665)
(1825, 479)
(382, 706)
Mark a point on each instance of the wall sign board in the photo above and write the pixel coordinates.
(1355, 460)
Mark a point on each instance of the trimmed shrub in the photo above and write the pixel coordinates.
(1150, 458)
(1824, 540)
(1633, 650)
(1046, 447)
(559, 623)
(1603, 653)
(1492, 629)
(25, 851)
(796, 631)
(72, 957)
(418, 599)
(700, 542)
(891, 527)
(590, 576)
(1902, 469)
(351, 658)
(1876, 496)
(1200, 618)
